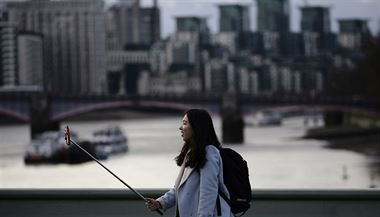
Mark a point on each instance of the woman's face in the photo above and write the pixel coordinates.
(185, 128)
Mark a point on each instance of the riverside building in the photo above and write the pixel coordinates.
(73, 31)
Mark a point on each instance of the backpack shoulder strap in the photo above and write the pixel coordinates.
(221, 194)
(218, 206)
(225, 197)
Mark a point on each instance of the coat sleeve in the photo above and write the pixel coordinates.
(168, 199)
(209, 183)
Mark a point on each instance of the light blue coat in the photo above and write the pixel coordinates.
(198, 190)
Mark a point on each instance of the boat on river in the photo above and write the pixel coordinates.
(50, 148)
(268, 118)
(110, 140)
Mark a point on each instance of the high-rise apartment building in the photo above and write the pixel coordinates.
(128, 23)
(234, 23)
(30, 59)
(150, 25)
(8, 55)
(315, 19)
(233, 18)
(353, 25)
(183, 48)
(273, 16)
(122, 24)
(353, 33)
(191, 24)
(196, 25)
(73, 40)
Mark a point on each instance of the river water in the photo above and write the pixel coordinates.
(276, 157)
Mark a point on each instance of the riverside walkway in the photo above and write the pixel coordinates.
(119, 202)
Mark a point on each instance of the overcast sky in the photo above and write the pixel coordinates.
(367, 9)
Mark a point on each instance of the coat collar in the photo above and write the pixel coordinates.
(183, 175)
(186, 173)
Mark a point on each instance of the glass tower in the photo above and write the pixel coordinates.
(233, 18)
(315, 19)
(273, 15)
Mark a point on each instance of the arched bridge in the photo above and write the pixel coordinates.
(63, 108)
(43, 111)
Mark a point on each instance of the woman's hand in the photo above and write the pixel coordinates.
(152, 204)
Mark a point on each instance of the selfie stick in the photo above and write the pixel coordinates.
(69, 141)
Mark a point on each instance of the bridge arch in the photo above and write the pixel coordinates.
(14, 114)
(63, 109)
(78, 110)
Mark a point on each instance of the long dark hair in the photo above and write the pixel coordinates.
(203, 134)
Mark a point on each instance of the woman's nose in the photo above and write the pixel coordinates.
(180, 128)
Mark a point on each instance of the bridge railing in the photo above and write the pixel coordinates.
(118, 202)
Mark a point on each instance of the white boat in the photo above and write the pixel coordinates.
(50, 147)
(267, 118)
(110, 140)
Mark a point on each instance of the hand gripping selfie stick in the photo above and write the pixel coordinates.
(69, 141)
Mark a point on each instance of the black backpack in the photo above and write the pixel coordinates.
(236, 179)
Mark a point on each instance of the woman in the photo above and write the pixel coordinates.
(195, 192)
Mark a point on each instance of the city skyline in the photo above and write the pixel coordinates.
(233, 58)
(339, 9)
